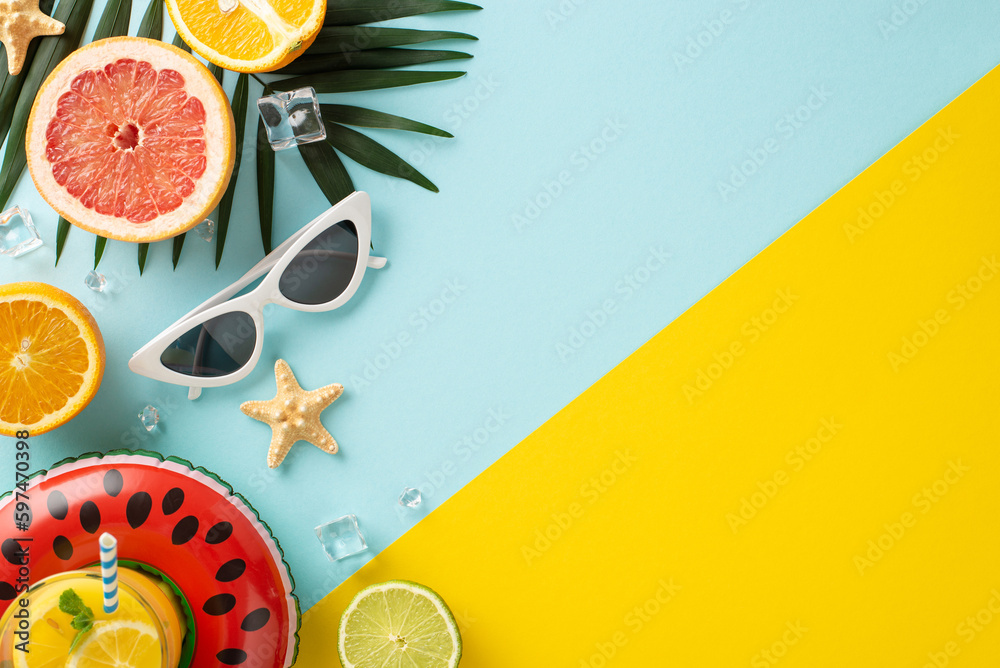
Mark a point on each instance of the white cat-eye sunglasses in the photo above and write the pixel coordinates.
(318, 268)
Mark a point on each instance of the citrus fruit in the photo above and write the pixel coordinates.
(131, 139)
(117, 644)
(256, 36)
(397, 624)
(51, 357)
(126, 637)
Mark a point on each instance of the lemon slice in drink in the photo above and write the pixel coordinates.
(398, 624)
(51, 634)
(114, 644)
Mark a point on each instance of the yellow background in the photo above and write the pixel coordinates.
(788, 581)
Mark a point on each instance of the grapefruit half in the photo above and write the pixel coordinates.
(131, 139)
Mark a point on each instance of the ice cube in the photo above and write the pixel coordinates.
(292, 118)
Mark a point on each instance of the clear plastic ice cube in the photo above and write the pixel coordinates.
(206, 229)
(94, 281)
(410, 498)
(17, 233)
(341, 538)
(292, 118)
(149, 417)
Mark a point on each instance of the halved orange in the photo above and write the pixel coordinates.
(256, 36)
(51, 357)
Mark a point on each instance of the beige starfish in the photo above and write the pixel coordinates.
(294, 414)
(20, 22)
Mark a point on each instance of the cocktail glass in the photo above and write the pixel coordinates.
(35, 632)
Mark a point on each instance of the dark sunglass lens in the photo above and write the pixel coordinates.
(217, 347)
(323, 269)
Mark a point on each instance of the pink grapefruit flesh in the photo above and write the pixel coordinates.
(132, 139)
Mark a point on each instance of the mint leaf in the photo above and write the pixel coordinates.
(71, 603)
(83, 617)
(76, 641)
(83, 621)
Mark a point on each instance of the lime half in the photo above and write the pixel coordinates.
(398, 624)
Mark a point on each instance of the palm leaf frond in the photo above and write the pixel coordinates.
(364, 150)
(352, 81)
(355, 12)
(373, 59)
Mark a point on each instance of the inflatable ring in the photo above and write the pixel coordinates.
(182, 521)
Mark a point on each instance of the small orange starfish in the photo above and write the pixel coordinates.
(294, 414)
(20, 22)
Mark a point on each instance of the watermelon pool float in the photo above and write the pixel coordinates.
(182, 521)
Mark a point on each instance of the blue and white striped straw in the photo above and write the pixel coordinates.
(109, 571)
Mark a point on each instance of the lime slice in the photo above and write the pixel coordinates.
(114, 644)
(398, 624)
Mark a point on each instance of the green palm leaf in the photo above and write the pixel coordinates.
(226, 205)
(328, 170)
(151, 25)
(180, 43)
(265, 182)
(114, 20)
(373, 59)
(178, 246)
(366, 151)
(10, 85)
(369, 118)
(354, 12)
(51, 50)
(99, 250)
(351, 81)
(62, 229)
(216, 71)
(339, 39)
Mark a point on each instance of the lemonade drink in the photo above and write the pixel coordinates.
(145, 632)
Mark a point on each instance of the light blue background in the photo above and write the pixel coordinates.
(538, 90)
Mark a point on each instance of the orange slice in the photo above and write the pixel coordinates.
(51, 357)
(255, 36)
(131, 139)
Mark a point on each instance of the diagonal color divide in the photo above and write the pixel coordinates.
(801, 470)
